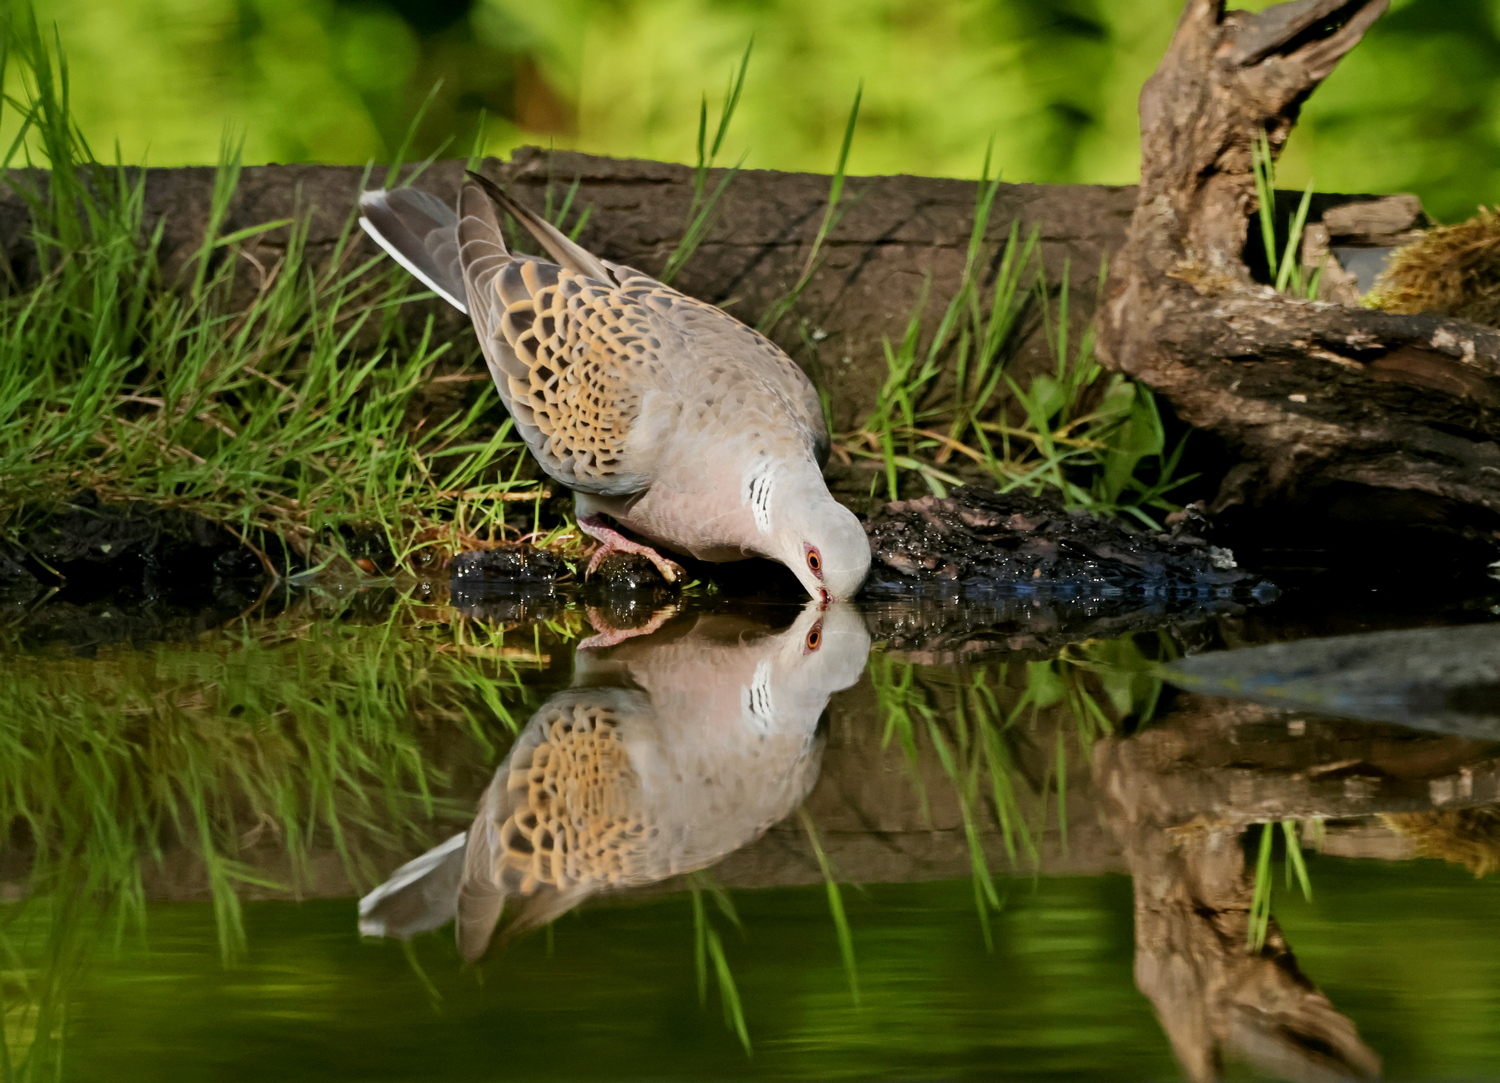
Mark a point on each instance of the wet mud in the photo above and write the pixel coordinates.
(989, 543)
(956, 577)
(90, 573)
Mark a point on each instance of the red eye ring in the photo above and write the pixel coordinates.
(815, 562)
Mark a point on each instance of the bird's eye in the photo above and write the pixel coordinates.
(815, 637)
(815, 562)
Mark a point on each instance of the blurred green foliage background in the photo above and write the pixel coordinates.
(1053, 83)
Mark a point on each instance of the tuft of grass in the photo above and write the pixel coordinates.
(704, 207)
(290, 416)
(949, 410)
(1283, 259)
(832, 212)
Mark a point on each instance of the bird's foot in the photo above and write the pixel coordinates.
(612, 541)
(607, 635)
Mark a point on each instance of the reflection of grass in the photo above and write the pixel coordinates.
(708, 946)
(835, 904)
(304, 731)
(983, 723)
(708, 949)
(1260, 896)
(301, 729)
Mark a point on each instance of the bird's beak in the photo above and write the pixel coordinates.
(824, 599)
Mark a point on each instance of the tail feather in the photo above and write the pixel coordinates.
(565, 252)
(418, 897)
(482, 890)
(481, 252)
(479, 909)
(420, 232)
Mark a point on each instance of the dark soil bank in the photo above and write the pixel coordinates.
(124, 572)
(981, 542)
(89, 546)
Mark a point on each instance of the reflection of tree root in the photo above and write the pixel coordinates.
(1468, 836)
(1213, 995)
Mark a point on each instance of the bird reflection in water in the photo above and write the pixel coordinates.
(670, 751)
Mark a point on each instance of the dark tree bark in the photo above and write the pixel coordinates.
(1312, 397)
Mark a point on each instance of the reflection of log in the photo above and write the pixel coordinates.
(1316, 398)
(1229, 764)
(1179, 796)
(887, 817)
(882, 818)
(935, 629)
(1213, 994)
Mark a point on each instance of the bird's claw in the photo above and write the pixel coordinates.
(612, 541)
(670, 570)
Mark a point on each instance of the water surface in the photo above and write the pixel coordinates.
(759, 841)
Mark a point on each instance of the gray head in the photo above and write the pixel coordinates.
(818, 538)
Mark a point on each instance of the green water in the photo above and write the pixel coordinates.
(614, 996)
(194, 821)
(1409, 951)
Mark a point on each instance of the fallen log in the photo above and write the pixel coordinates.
(1340, 419)
(898, 239)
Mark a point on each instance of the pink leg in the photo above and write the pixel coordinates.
(612, 541)
(608, 635)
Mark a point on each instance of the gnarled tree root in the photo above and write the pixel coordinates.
(1313, 398)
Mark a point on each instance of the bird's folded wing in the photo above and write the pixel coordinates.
(575, 358)
(561, 820)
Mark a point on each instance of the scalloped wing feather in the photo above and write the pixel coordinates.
(595, 360)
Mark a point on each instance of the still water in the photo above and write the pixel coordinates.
(368, 834)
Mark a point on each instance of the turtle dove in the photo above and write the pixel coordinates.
(660, 412)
